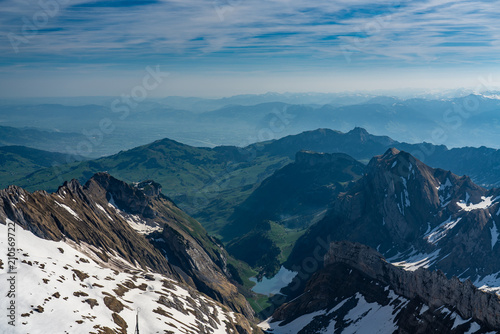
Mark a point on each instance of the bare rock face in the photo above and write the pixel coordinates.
(136, 223)
(357, 286)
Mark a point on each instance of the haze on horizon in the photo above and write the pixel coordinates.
(227, 47)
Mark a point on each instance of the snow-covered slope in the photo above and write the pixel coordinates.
(62, 287)
(355, 315)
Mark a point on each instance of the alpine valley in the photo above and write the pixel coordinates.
(318, 232)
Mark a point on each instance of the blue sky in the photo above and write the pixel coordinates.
(226, 47)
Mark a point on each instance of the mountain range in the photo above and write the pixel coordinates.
(100, 126)
(369, 227)
(209, 183)
(416, 215)
(110, 248)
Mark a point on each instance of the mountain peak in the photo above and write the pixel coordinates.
(358, 131)
(72, 185)
(399, 163)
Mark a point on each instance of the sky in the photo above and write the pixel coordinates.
(226, 47)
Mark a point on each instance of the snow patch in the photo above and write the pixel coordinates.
(444, 192)
(67, 208)
(112, 203)
(439, 232)
(494, 234)
(489, 283)
(272, 286)
(364, 318)
(424, 309)
(292, 327)
(459, 320)
(447, 184)
(135, 221)
(474, 327)
(406, 200)
(103, 210)
(484, 204)
(47, 278)
(413, 262)
(139, 225)
(368, 318)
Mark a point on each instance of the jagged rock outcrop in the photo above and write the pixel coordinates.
(358, 290)
(81, 214)
(135, 223)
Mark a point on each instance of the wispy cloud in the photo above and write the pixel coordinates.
(191, 33)
(126, 31)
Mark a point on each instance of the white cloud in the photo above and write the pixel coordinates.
(299, 34)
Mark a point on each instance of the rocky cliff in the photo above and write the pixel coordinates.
(359, 291)
(431, 287)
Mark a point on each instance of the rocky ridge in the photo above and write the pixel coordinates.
(114, 221)
(358, 290)
(432, 287)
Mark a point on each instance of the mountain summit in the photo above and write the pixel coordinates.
(416, 215)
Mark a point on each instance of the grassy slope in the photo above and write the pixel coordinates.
(18, 161)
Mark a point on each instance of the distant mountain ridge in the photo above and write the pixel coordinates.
(208, 183)
(479, 163)
(454, 119)
(37, 138)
